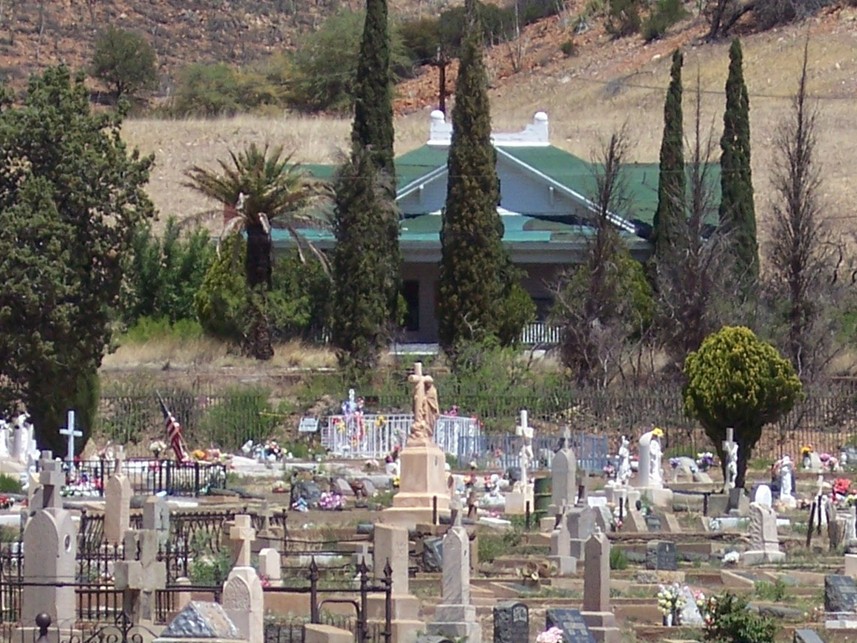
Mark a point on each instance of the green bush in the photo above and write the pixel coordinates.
(517, 310)
(325, 63)
(243, 414)
(568, 48)
(208, 90)
(623, 18)
(665, 14)
(297, 305)
(148, 329)
(774, 592)
(9, 484)
(221, 300)
(421, 38)
(618, 559)
(733, 622)
(124, 61)
(163, 274)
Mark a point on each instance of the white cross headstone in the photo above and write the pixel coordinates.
(69, 431)
(730, 452)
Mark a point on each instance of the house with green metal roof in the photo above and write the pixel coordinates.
(545, 206)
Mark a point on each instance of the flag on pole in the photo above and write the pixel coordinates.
(174, 432)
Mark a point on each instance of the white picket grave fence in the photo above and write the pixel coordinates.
(374, 435)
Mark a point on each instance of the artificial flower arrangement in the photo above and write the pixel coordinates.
(609, 470)
(705, 460)
(330, 501)
(553, 635)
(707, 606)
(670, 603)
(805, 450)
(380, 421)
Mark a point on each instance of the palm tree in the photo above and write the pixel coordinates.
(258, 187)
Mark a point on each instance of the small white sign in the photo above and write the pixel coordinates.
(308, 425)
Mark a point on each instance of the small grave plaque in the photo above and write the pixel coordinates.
(653, 522)
(840, 594)
(308, 425)
(571, 622)
(661, 555)
(807, 636)
(511, 622)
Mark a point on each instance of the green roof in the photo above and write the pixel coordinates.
(564, 168)
(518, 229)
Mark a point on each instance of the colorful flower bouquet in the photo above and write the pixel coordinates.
(330, 501)
(705, 460)
(670, 603)
(553, 635)
(707, 606)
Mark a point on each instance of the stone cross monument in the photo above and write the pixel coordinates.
(140, 575)
(70, 433)
(118, 494)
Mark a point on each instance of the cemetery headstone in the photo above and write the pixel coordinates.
(52, 480)
(50, 549)
(433, 554)
(661, 555)
(156, 516)
(511, 622)
(840, 594)
(596, 590)
(70, 433)
(391, 546)
(690, 614)
(571, 623)
(635, 521)
(270, 566)
(455, 616)
(140, 575)
(581, 525)
(117, 509)
(764, 541)
(560, 548)
(670, 524)
(763, 495)
(563, 479)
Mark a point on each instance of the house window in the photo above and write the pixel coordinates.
(411, 293)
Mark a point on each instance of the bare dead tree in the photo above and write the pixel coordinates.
(691, 288)
(803, 254)
(595, 301)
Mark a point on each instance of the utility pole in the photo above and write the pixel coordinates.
(441, 61)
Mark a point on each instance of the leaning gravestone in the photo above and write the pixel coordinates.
(661, 555)
(571, 623)
(690, 614)
(840, 594)
(511, 622)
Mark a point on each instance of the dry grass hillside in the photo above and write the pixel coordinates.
(607, 83)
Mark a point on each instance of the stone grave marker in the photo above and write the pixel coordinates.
(117, 509)
(156, 516)
(581, 525)
(635, 521)
(807, 636)
(511, 622)
(455, 616)
(763, 495)
(840, 594)
(597, 612)
(560, 547)
(571, 623)
(653, 523)
(270, 566)
(764, 541)
(661, 555)
(563, 479)
(140, 575)
(690, 614)
(52, 480)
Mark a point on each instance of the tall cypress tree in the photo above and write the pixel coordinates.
(670, 215)
(473, 262)
(373, 95)
(737, 212)
(361, 282)
(366, 260)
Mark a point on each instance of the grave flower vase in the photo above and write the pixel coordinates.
(668, 619)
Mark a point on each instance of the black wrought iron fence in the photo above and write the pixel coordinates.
(149, 476)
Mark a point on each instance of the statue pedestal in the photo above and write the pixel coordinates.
(423, 478)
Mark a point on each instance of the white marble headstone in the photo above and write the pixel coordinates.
(763, 495)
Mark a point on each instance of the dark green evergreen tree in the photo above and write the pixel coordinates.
(373, 95)
(473, 262)
(670, 215)
(737, 212)
(71, 197)
(360, 311)
(372, 130)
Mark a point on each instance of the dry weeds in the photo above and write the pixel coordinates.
(207, 352)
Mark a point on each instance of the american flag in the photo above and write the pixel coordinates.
(174, 432)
